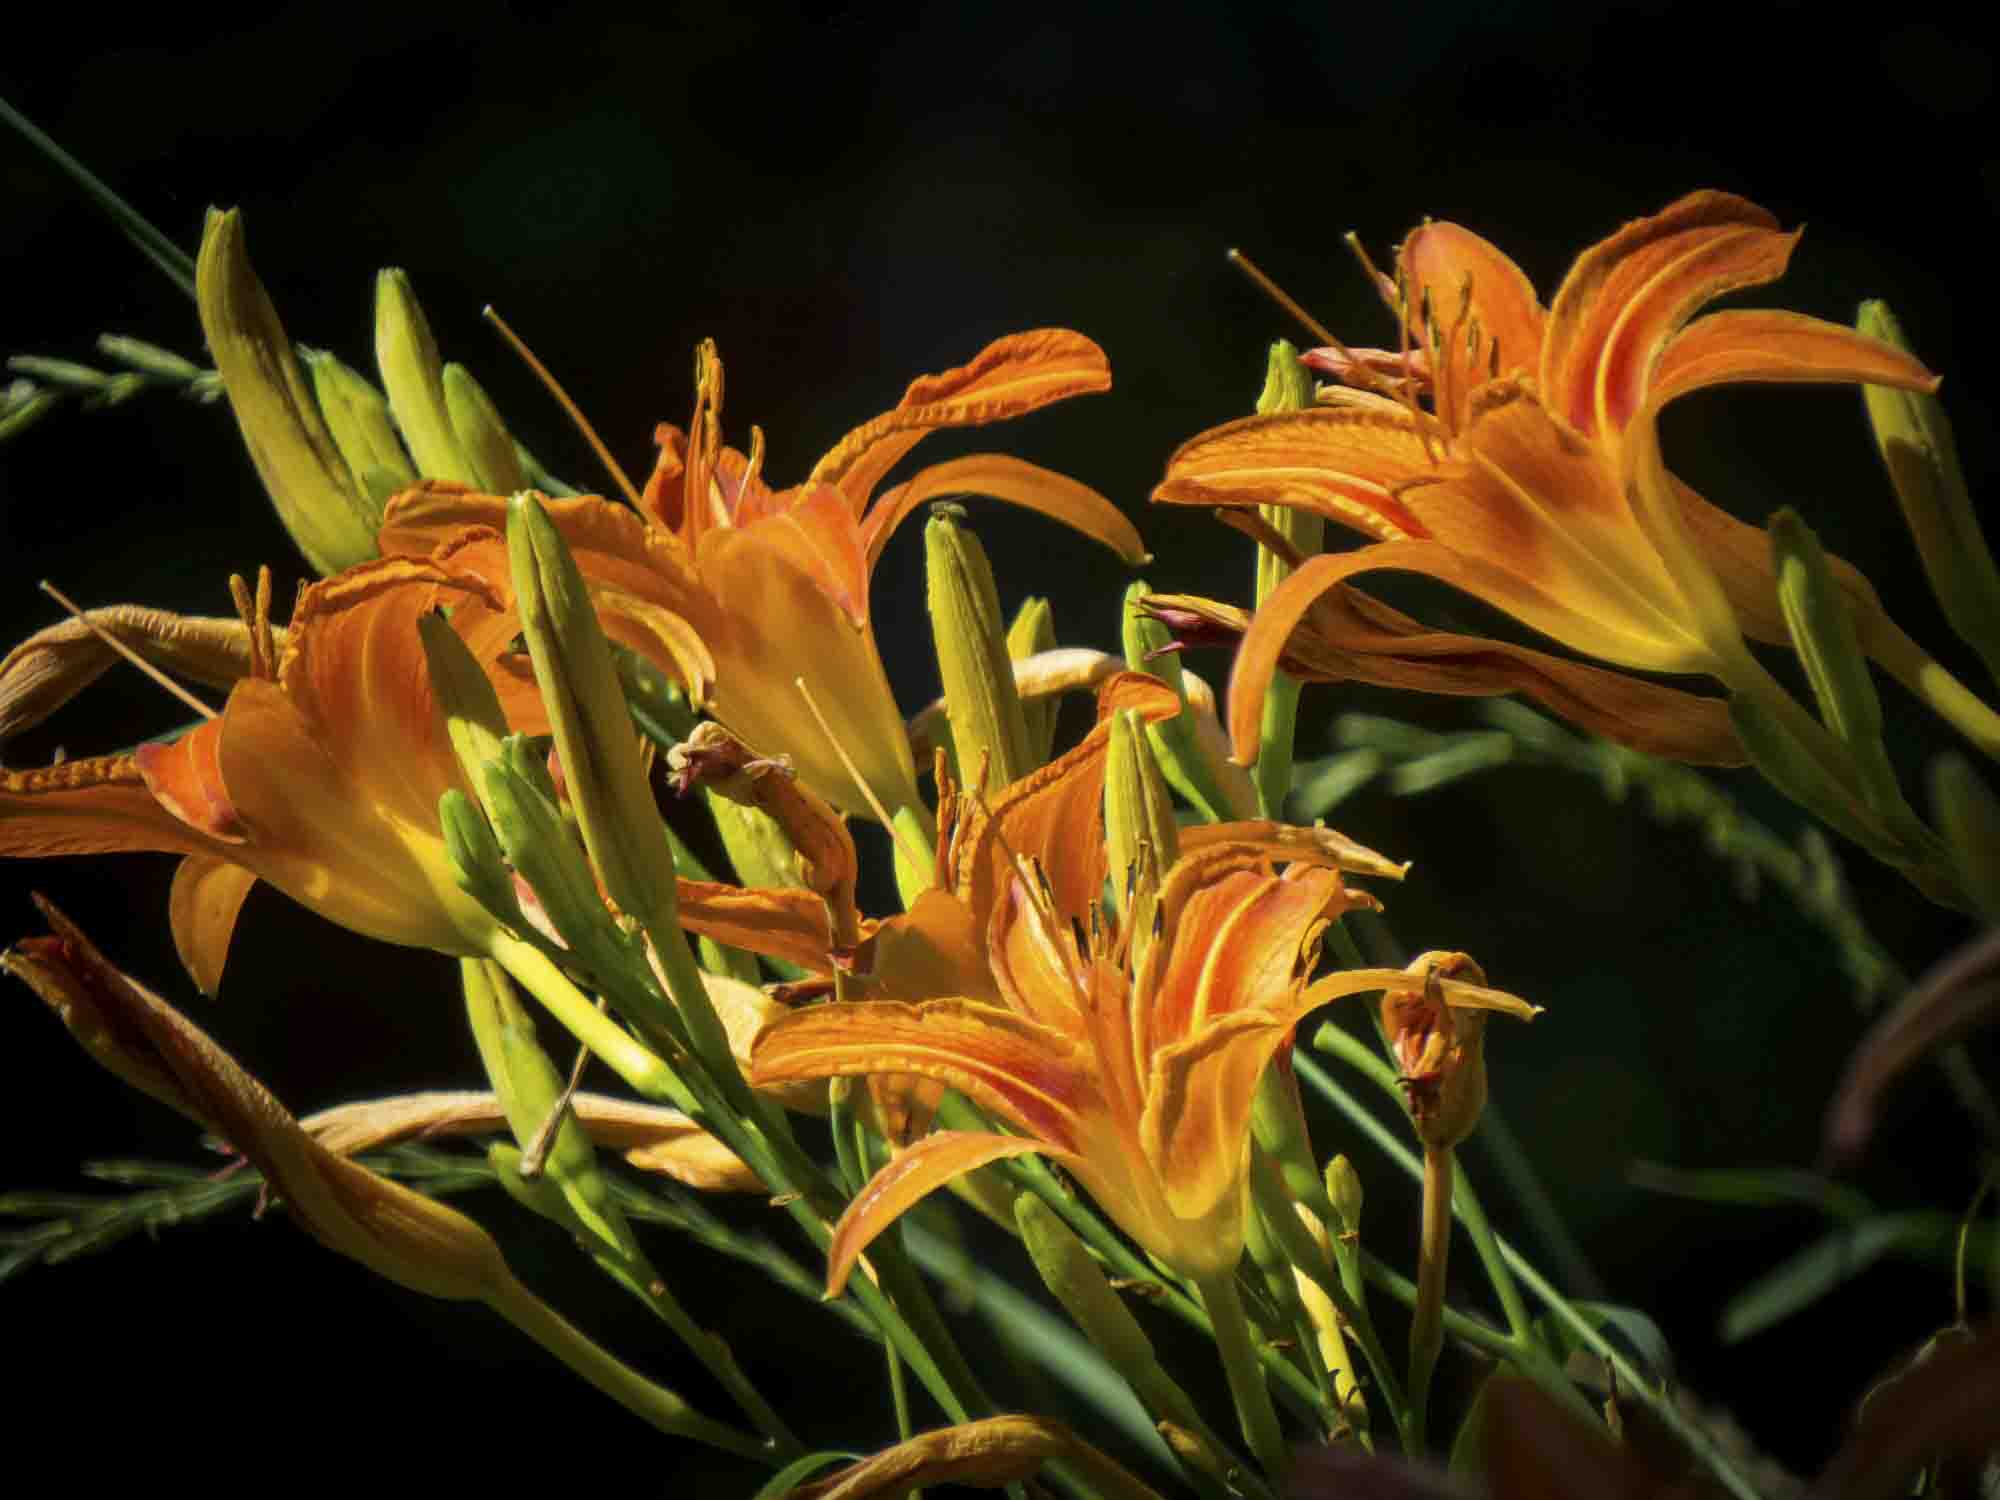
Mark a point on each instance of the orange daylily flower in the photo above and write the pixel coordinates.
(1534, 479)
(770, 587)
(321, 775)
(1128, 1052)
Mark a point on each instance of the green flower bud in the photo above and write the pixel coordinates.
(477, 861)
(309, 482)
(1140, 831)
(482, 437)
(1343, 1190)
(473, 718)
(1817, 616)
(407, 356)
(987, 725)
(1034, 631)
(1968, 815)
(362, 428)
(1915, 439)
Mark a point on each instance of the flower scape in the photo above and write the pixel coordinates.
(493, 724)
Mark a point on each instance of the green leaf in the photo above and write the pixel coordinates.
(1828, 1262)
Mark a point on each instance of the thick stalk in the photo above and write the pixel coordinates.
(1234, 1342)
(1433, 1258)
(1947, 697)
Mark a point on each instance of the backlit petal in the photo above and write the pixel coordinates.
(1627, 295)
(930, 1163)
(1778, 348)
(208, 893)
(1008, 378)
(1033, 1077)
(97, 806)
(1001, 478)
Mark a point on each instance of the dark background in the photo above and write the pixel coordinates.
(846, 199)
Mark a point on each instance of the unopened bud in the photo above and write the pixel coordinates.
(308, 480)
(482, 437)
(1343, 1190)
(1915, 439)
(1140, 831)
(358, 416)
(1032, 633)
(412, 374)
(987, 725)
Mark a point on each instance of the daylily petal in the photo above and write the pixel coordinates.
(1238, 940)
(936, 948)
(1779, 348)
(781, 626)
(185, 777)
(1627, 295)
(208, 894)
(1032, 1076)
(1339, 462)
(1274, 625)
(787, 922)
(1196, 1129)
(817, 535)
(52, 666)
(97, 806)
(1348, 636)
(1008, 378)
(1445, 257)
(1001, 478)
(930, 1163)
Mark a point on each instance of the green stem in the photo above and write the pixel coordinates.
(652, 1403)
(637, 1064)
(1272, 775)
(1427, 1317)
(155, 246)
(1234, 1343)
(1629, 1376)
(1503, 1148)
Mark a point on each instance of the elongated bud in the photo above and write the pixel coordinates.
(1799, 774)
(1915, 439)
(473, 719)
(477, 861)
(987, 725)
(1343, 1190)
(407, 356)
(1968, 815)
(482, 437)
(1146, 643)
(593, 730)
(1140, 830)
(309, 482)
(1278, 1121)
(1817, 616)
(1288, 386)
(1033, 632)
(358, 416)
(1073, 1275)
(530, 1091)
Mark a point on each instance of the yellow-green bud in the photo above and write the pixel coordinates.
(1288, 386)
(1033, 632)
(593, 730)
(477, 862)
(412, 374)
(359, 419)
(473, 718)
(482, 437)
(987, 725)
(1816, 614)
(1968, 815)
(1140, 831)
(1174, 741)
(1343, 1190)
(1915, 439)
(308, 480)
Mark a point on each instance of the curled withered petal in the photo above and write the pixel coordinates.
(1008, 378)
(985, 1455)
(1955, 995)
(397, 1233)
(52, 666)
(652, 1137)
